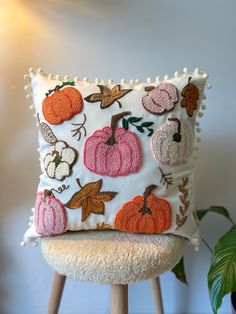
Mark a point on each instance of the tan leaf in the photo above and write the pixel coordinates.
(105, 91)
(85, 210)
(107, 102)
(75, 201)
(106, 196)
(122, 93)
(94, 97)
(92, 206)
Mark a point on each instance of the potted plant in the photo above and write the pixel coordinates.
(222, 270)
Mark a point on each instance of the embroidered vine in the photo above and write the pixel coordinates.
(58, 87)
(60, 189)
(183, 197)
(140, 127)
(90, 199)
(166, 178)
(81, 126)
(108, 96)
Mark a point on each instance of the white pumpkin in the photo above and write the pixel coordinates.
(173, 143)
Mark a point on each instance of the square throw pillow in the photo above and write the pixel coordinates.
(116, 155)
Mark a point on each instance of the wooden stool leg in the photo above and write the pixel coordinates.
(56, 293)
(156, 291)
(119, 299)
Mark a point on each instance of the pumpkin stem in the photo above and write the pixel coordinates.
(189, 79)
(47, 193)
(177, 136)
(114, 120)
(58, 87)
(145, 210)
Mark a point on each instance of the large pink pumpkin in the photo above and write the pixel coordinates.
(173, 143)
(50, 215)
(161, 99)
(113, 151)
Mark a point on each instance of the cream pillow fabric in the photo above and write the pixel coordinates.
(116, 155)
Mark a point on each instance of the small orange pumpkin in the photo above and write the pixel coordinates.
(145, 213)
(63, 104)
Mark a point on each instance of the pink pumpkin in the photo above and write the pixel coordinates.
(173, 143)
(50, 215)
(113, 151)
(161, 99)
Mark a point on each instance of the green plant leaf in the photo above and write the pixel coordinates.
(222, 273)
(214, 209)
(147, 124)
(139, 128)
(134, 119)
(179, 271)
(125, 124)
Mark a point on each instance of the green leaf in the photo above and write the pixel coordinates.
(150, 132)
(134, 119)
(222, 274)
(146, 124)
(214, 209)
(179, 271)
(125, 124)
(139, 128)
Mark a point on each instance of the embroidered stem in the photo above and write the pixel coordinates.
(78, 182)
(145, 210)
(166, 178)
(177, 136)
(60, 189)
(58, 87)
(183, 197)
(189, 79)
(80, 127)
(114, 120)
(47, 193)
(118, 103)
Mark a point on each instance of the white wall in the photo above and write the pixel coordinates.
(111, 38)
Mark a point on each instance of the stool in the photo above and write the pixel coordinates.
(111, 257)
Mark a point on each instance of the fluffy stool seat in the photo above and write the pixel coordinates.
(111, 256)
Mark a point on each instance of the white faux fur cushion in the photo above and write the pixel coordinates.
(111, 256)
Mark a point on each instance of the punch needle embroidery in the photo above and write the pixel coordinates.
(113, 151)
(145, 213)
(190, 95)
(108, 96)
(90, 199)
(50, 215)
(166, 178)
(181, 218)
(61, 104)
(144, 126)
(80, 127)
(160, 99)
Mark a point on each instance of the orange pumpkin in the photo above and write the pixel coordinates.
(62, 104)
(145, 213)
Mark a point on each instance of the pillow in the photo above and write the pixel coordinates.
(116, 155)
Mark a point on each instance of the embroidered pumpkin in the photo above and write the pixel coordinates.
(113, 151)
(50, 214)
(173, 143)
(63, 104)
(161, 99)
(145, 213)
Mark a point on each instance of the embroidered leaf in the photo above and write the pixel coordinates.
(150, 132)
(190, 95)
(149, 88)
(179, 271)
(183, 197)
(166, 178)
(47, 133)
(222, 274)
(146, 124)
(125, 124)
(134, 119)
(90, 199)
(81, 126)
(108, 96)
(139, 128)
(103, 226)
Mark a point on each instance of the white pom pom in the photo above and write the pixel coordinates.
(185, 70)
(31, 70)
(205, 75)
(166, 77)
(58, 77)
(32, 209)
(110, 81)
(176, 74)
(39, 71)
(209, 86)
(197, 123)
(34, 243)
(50, 76)
(85, 79)
(26, 77)
(76, 78)
(23, 243)
(37, 124)
(200, 114)
(26, 87)
(31, 107)
(198, 130)
(196, 70)
(96, 80)
(149, 80)
(203, 107)
(66, 78)
(103, 82)
(131, 82)
(28, 96)
(157, 78)
(29, 223)
(123, 81)
(137, 81)
(31, 218)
